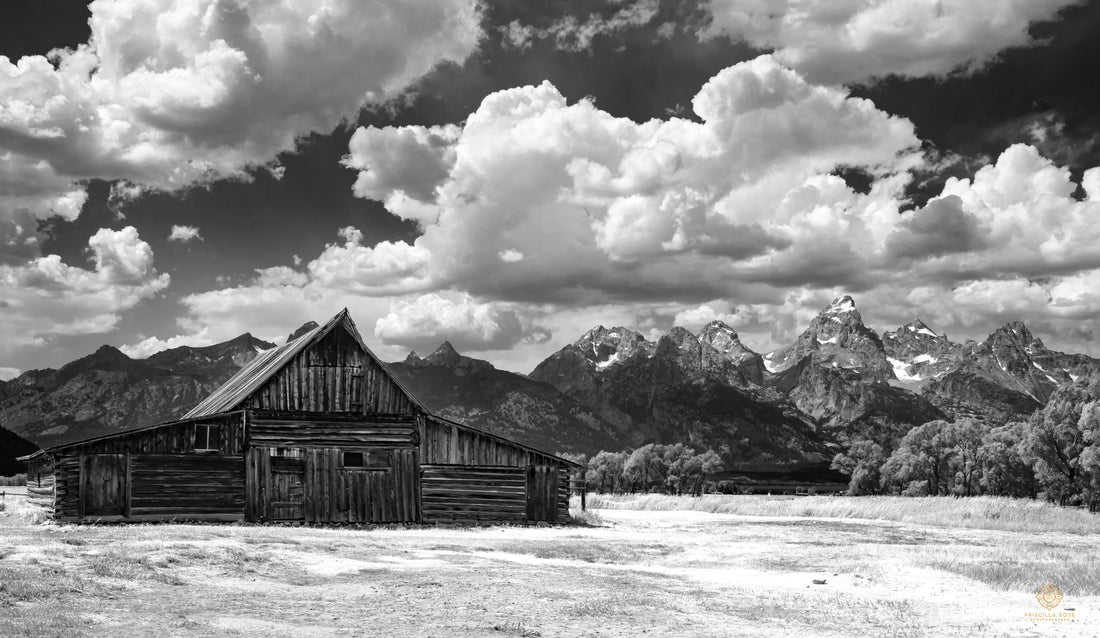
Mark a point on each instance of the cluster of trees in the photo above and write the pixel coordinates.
(672, 469)
(17, 479)
(1054, 454)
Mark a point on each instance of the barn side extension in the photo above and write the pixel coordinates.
(316, 430)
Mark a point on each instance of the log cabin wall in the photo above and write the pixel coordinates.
(459, 494)
(42, 484)
(469, 475)
(155, 473)
(446, 442)
(281, 429)
(333, 375)
(320, 485)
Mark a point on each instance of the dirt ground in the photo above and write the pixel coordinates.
(637, 574)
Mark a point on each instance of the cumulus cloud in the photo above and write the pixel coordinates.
(7, 374)
(856, 41)
(599, 205)
(560, 216)
(1031, 225)
(46, 297)
(184, 234)
(741, 206)
(172, 93)
(426, 320)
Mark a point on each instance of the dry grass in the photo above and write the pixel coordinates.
(980, 512)
(36, 600)
(1024, 566)
(637, 573)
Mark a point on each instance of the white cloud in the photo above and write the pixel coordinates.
(385, 268)
(7, 374)
(184, 234)
(603, 205)
(1023, 218)
(573, 34)
(152, 345)
(172, 93)
(736, 317)
(857, 40)
(561, 216)
(426, 320)
(46, 297)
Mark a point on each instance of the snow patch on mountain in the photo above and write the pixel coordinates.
(607, 363)
(841, 305)
(901, 370)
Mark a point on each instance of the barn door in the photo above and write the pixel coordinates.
(103, 485)
(542, 493)
(286, 495)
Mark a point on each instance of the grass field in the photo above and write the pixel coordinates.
(979, 512)
(673, 568)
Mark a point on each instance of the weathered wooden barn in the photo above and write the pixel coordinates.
(316, 430)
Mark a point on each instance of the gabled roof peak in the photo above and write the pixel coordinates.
(268, 363)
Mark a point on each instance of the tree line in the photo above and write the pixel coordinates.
(672, 469)
(1053, 454)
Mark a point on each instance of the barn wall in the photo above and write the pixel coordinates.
(563, 494)
(442, 442)
(333, 375)
(456, 494)
(186, 485)
(312, 485)
(67, 499)
(311, 430)
(153, 474)
(170, 438)
(41, 483)
(462, 493)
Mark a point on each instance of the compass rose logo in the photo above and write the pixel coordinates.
(1049, 596)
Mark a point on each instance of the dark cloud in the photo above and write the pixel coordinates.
(978, 115)
(940, 228)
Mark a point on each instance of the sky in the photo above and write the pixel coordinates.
(506, 175)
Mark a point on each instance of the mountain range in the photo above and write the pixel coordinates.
(613, 388)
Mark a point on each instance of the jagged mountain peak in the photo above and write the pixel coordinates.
(725, 340)
(304, 328)
(721, 337)
(838, 338)
(104, 358)
(1015, 332)
(920, 328)
(412, 357)
(715, 328)
(841, 305)
(107, 351)
(445, 354)
(245, 342)
(605, 347)
(918, 353)
(682, 337)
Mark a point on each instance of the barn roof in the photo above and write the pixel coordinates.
(268, 363)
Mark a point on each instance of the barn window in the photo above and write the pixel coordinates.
(374, 460)
(207, 437)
